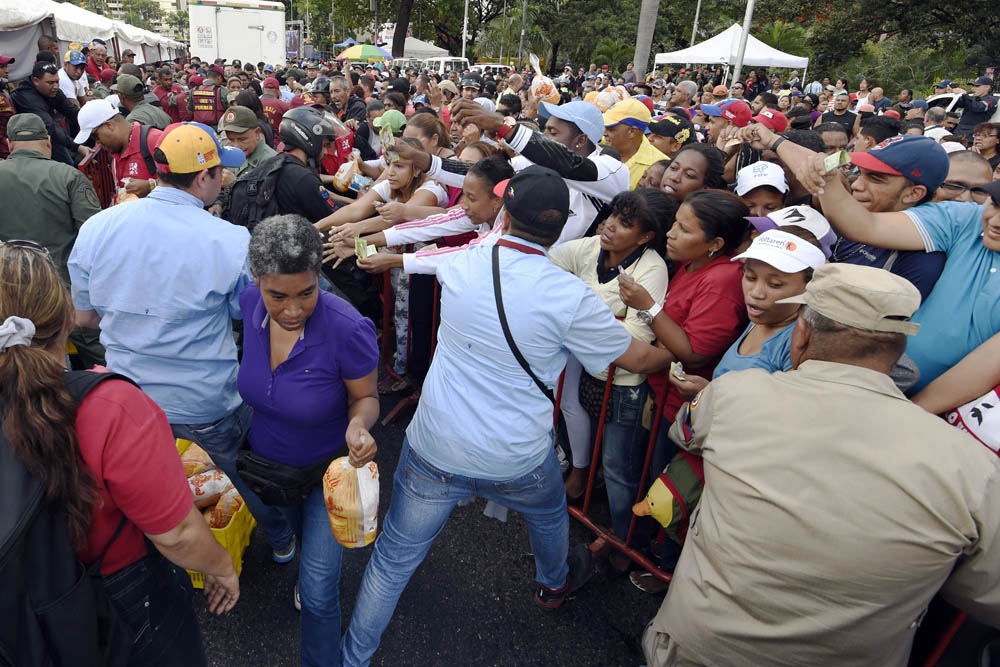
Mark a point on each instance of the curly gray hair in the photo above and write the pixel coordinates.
(285, 244)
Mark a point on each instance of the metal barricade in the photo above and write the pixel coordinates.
(97, 168)
(606, 539)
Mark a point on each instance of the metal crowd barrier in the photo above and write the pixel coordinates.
(97, 168)
(606, 539)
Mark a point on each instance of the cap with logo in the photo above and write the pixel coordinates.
(983, 81)
(419, 99)
(920, 159)
(772, 119)
(678, 129)
(238, 119)
(26, 127)
(584, 115)
(629, 112)
(944, 83)
(862, 297)
(736, 111)
(472, 80)
(128, 85)
(802, 216)
(759, 174)
(658, 83)
(532, 191)
(75, 58)
(93, 114)
(393, 118)
(785, 252)
(191, 147)
(271, 83)
(268, 68)
(195, 80)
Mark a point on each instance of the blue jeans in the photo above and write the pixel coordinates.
(623, 452)
(153, 597)
(422, 499)
(319, 581)
(222, 440)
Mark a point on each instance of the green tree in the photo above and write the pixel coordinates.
(502, 35)
(179, 22)
(144, 14)
(786, 36)
(611, 53)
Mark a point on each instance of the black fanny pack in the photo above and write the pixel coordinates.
(278, 484)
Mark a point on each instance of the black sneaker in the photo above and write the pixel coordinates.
(579, 562)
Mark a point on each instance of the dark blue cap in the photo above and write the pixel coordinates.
(920, 159)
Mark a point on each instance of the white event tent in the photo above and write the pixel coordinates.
(417, 48)
(723, 49)
(22, 23)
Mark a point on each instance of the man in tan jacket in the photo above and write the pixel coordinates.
(834, 509)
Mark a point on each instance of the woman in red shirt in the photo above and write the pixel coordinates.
(704, 312)
(112, 457)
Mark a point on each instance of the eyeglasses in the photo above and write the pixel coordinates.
(956, 189)
(984, 136)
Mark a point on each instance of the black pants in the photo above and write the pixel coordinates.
(357, 287)
(422, 306)
(154, 598)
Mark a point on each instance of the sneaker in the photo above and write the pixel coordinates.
(296, 600)
(285, 556)
(579, 562)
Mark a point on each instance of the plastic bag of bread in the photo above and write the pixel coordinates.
(208, 487)
(196, 460)
(542, 86)
(230, 502)
(351, 496)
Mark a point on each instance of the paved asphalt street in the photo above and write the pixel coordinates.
(469, 603)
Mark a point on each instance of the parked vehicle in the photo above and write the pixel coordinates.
(446, 64)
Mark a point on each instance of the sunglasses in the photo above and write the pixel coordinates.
(956, 189)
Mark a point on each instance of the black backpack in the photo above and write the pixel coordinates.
(253, 196)
(54, 608)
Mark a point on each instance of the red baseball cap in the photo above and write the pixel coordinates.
(195, 80)
(604, 66)
(891, 113)
(107, 75)
(6, 60)
(735, 111)
(271, 82)
(772, 119)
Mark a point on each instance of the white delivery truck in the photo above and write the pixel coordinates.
(249, 30)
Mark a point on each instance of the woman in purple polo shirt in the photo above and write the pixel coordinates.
(309, 372)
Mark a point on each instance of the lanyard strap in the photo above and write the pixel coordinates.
(520, 247)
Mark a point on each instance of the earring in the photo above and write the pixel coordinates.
(711, 253)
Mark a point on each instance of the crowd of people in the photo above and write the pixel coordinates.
(793, 281)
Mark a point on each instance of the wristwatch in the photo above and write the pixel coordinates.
(509, 123)
(646, 316)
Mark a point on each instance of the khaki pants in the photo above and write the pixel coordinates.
(662, 651)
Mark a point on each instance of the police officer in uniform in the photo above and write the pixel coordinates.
(206, 102)
(132, 95)
(46, 201)
(834, 509)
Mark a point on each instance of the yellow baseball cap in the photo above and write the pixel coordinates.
(191, 147)
(630, 112)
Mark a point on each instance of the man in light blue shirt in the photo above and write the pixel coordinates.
(161, 278)
(483, 426)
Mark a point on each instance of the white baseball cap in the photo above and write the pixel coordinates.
(92, 114)
(758, 174)
(802, 216)
(785, 252)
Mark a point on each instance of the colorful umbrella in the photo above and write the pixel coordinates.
(366, 52)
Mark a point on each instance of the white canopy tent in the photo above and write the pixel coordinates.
(22, 23)
(723, 49)
(417, 48)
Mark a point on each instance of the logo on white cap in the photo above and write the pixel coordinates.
(759, 174)
(785, 252)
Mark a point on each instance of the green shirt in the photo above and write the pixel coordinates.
(147, 114)
(261, 153)
(44, 201)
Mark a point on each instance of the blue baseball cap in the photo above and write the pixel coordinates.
(75, 58)
(268, 68)
(920, 104)
(943, 83)
(584, 115)
(920, 159)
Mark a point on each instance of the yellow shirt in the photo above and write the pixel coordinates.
(647, 155)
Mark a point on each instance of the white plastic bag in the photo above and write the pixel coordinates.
(351, 496)
(542, 86)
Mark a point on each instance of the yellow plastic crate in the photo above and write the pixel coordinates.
(235, 537)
